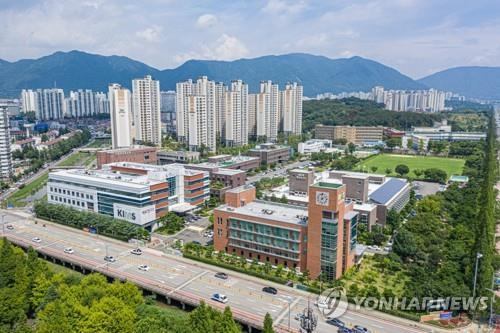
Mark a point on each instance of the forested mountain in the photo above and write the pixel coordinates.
(318, 74)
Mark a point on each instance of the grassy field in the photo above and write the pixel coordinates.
(99, 143)
(452, 166)
(77, 159)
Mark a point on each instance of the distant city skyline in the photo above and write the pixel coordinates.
(416, 37)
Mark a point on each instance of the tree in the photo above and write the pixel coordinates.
(388, 171)
(405, 244)
(351, 147)
(402, 169)
(374, 168)
(227, 323)
(418, 172)
(435, 175)
(45, 138)
(393, 142)
(268, 324)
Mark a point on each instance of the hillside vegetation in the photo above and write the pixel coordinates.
(356, 112)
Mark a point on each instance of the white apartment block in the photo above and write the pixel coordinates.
(86, 103)
(272, 109)
(29, 100)
(120, 106)
(430, 100)
(197, 121)
(48, 104)
(146, 108)
(5, 151)
(291, 108)
(236, 114)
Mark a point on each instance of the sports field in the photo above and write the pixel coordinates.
(452, 166)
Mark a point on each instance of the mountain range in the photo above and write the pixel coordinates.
(318, 74)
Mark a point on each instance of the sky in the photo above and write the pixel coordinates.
(417, 37)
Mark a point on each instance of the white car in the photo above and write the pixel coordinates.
(220, 298)
(137, 252)
(69, 250)
(36, 240)
(144, 268)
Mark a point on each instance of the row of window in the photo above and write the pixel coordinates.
(264, 229)
(72, 193)
(264, 249)
(73, 202)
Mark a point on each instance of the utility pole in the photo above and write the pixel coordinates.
(478, 256)
(309, 320)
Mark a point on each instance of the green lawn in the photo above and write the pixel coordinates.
(452, 166)
(99, 143)
(78, 159)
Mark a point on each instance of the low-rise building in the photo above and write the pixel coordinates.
(372, 195)
(137, 193)
(314, 146)
(168, 157)
(134, 154)
(320, 237)
(359, 135)
(270, 153)
(227, 162)
(21, 144)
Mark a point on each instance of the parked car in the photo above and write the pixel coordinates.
(345, 330)
(9, 227)
(137, 252)
(144, 268)
(270, 290)
(220, 298)
(335, 322)
(109, 258)
(221, 275)
(36, 240)
(69, 250)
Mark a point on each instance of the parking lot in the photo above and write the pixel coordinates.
(426, 188)
(194, 231)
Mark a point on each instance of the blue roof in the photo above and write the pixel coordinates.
(388, 190)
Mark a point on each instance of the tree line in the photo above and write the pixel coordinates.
(100, 223)
(36, 298)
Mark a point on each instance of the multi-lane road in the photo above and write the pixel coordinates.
(183, 279)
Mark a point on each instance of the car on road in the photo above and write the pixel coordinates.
(10, 227)
(69, 250)
(336, 322)
(221, 275)
(109, 258)
(144, 268)
(360, 329)
(36, 240)
(345, 330)
(270, 290)
(220, 298)
(137, 252)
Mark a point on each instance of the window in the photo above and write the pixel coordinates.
(327, 215)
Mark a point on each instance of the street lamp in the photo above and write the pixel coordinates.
(478, 256)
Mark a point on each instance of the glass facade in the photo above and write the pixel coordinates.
(354, 232)
(329, 234)
(264, 238)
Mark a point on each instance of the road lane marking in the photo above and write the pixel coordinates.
(287, 309)
(188, 282)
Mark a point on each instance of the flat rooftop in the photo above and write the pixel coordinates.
(271, 211)
(128, 149)
(228, 172)
(105, 178)
(170, 169)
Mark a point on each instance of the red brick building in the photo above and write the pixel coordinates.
(137, 154)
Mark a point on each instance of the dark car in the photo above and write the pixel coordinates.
(360, 329)
(221, 275)
(270, 290)
(335, 322)
(345, 330)
(289, 283)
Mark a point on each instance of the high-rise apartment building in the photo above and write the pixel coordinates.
(50, 104)
(146, 108)
(235, 110)
(5, 154)
(120, 106)
(28, 100)
(272, 109)
(198, 117)
(80, 103)
(430, 100)
(291, 108)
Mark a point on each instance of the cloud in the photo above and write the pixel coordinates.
(206, 21)
(226, 47)
(150, 34)
(284, 7)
